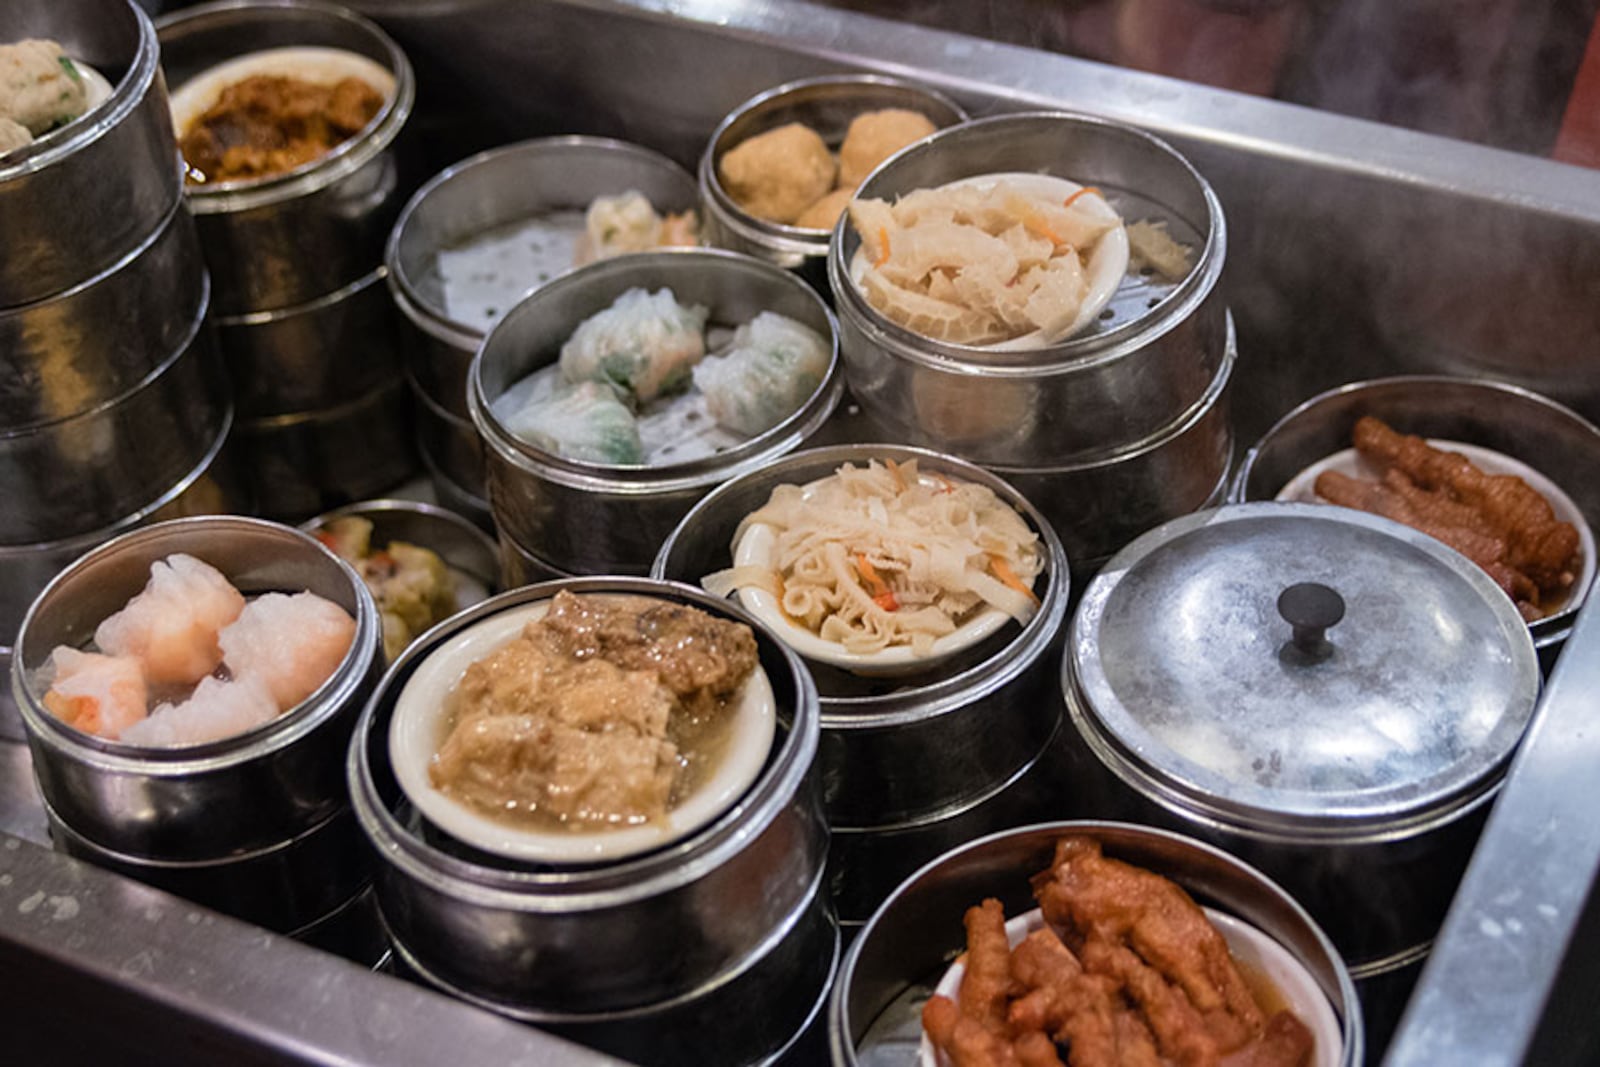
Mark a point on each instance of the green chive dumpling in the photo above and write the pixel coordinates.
(645, 344)
(39, 87)
(585, 422)
(770, 369)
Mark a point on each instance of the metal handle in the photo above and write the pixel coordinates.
(1311, 608)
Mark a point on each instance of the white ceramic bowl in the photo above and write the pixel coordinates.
(1302, 487)
(1248, 946)
(757, 546)
(1107, 265)
(419, 729)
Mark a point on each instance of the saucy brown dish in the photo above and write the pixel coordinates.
(1127, 971)
(270, 124)
(605, 712)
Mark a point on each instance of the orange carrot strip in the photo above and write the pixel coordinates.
(894, 471)
(883, 239)
(879, 589)
(1086, 189)
(1003, 571)
(1033, 224)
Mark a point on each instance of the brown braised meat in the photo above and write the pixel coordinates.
(1127, 972)
(598, 714)
(269, 124)
(697, 655)
(1497, 521)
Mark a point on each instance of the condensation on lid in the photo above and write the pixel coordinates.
(1416, 699)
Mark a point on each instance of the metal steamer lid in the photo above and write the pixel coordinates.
(1301, 667)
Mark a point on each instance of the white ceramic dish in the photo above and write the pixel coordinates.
(1351, 463)
(756, 547)
(323, 66)
(1248, 946)
(1107, 264)
(419, 728)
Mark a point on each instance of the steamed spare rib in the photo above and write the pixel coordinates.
(1126, 972)
(602, 713)
(1496, 520)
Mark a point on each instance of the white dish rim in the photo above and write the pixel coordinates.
(415, 733)
(1107, 265)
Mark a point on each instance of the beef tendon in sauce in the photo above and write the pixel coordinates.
(1127, 970)
(605, 712)
(270, 124)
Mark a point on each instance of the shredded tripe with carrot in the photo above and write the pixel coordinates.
(978, 266)
(886, 556)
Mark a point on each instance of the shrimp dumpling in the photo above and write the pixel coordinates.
(103, 695)
(772, 367)
(171, 627)
(292, 644)
(644, 344)
(216, 709)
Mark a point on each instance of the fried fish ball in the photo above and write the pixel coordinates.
(873, 137)
(778, 174)
(825, 212)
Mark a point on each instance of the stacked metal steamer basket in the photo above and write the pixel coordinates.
(113, 412)
(257, 825)
(302, 314)
(481, 196)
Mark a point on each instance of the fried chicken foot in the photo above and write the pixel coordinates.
(1538, 544)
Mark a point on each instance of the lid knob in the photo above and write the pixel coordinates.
(1311, 608)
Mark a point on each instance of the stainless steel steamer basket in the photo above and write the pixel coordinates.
(91, 343)
(283, 241)
(571, 943)
(1550, 438)
(100, 465)
(589, 518)
(1128, 378)
(450, 444)
(493, 189)
(303, 464)
(1354, 765)
(894, 964)
(213, 487)
(826, 104)
(220, 799)
(324, 354)
(905, 760)
(1098, 506)
(80, 200)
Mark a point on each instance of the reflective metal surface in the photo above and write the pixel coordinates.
(896, 961)
(1512, 976)
(1550, 438)
(1123, 380)
(638, 935)
(1196, 680)
(321, 355)
(589, 518)
(284, 241)
(102, 464)
(76, 202)
(490, 190)
(75, 350)
(201, 802)
(177, 975)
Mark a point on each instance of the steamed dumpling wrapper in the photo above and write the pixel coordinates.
(645, 344)
(772, 367)
(584, 422)
(40, 88)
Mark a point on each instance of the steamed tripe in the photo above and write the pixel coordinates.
(969, 264)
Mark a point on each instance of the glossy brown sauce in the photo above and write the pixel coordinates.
(270, 124)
